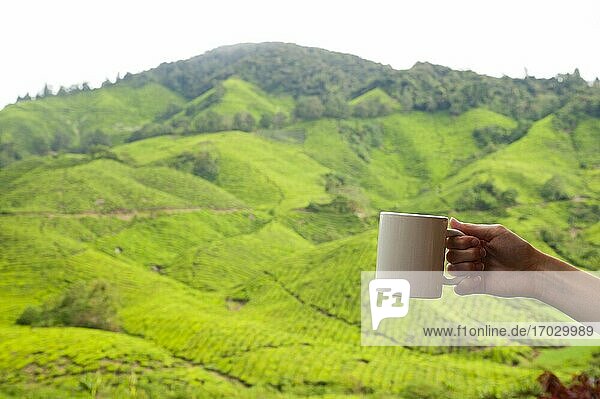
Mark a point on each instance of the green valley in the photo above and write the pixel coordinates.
(229, 203)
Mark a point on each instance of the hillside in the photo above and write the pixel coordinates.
(184, 258)
(268, 81)
(73, 121)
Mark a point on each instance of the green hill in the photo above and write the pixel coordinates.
(231, 104)
(226, 262)
(373, 103)
(71, 121)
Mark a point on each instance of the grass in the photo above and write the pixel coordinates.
(238, 96)
(238, 286)
(107, 185)
(376, 94)
(241, 96)
(117, 110)
(255, 170)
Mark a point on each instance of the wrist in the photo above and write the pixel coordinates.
(544, 282)
(547, 263)
(541, 261)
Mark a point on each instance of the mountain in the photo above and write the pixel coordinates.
(198, 230)
(321, 83)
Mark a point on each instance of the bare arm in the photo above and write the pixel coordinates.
(494, 248)
(579, 295)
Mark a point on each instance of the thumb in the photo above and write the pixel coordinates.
(483, 231)
(470, 285)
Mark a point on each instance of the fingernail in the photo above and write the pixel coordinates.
(477, 280)
(475, 241)
(483, 252)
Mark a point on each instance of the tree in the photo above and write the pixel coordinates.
(371, 108)
(210, 122)
(492, 136)
(486, 196)
(149, 130)
(335, 106)
(206, 166)
(8, 153)
(60, 141)
(279, 120)
(86, 304)
(47, 91)
(169, 111)
(39, 145)
(554, 189)
(266, 120)
(244, 121)
(309, 107)
(93, 139)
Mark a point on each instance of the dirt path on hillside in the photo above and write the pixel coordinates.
(122, 214)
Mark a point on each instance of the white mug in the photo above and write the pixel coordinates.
(412, 247)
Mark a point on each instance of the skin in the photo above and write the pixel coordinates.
(494, 248)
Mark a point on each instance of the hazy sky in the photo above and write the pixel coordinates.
(66, 42)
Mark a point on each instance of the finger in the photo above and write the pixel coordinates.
(462, 242)
(465, 255)
(470, 285)
(461, 269)
(482, 231)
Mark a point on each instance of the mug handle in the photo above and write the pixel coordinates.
(455, 280)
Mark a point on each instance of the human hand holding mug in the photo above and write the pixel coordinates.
(482, 257)
(490, 247)
(486, 255)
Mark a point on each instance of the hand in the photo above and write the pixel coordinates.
(488, 253)
(490, 247)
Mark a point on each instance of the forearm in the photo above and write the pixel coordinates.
(568, 289)
(547, 263)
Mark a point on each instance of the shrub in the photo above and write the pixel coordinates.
(211, 122)
(362, 137)
(203, 164)
(30, 316)
(279, 120)
(492, 137)
(170, 111)
(87, 304)
(149, 130)
(266, 120)
(309, 107)
(334, 182)
(206, 166)
(335, 106)
(91, 139)
(276, 121)
(371, 108)
(582, 386)
(554, 189)
(578, 108)
(61, 140)
(485, 196)
(339, 205)
(102, 151)
(244, 121)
